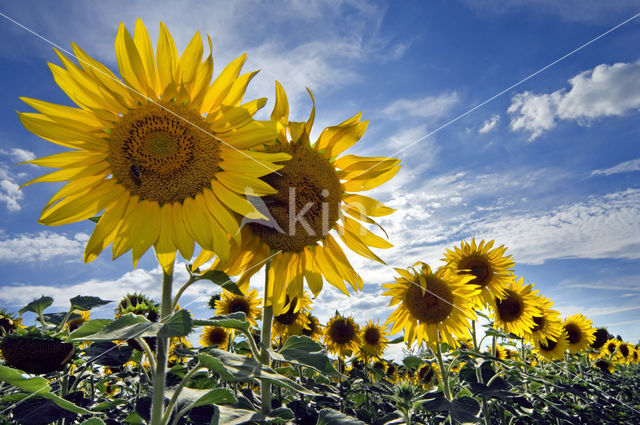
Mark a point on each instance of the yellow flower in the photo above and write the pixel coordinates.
(315, 200)
(74, 324)
(609, 349)
(552, 350)
(313, 329)
(434, 307)
(293, 318)
(374, 341)
(547, 323)
(342, 336)
(604, 365)
(232, 303)
(601, 337)
(501, 352)
(514, 311)
(625, 352)
(162, 154)
(580, 334)
(491, 269)
(215, 336)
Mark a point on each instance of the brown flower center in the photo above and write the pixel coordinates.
(239, 305)
(432, 306)
(291, 315)
(574, 332)
(624, 350)
(216, 336)
(539, 321)
(477, 266)
(307, 204)
(548, 346)
(161, 153)
(342, 332)
(601, 335)
(510, 308)
(372, 336)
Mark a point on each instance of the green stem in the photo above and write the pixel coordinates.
(176, 393)
(159, 376)
(183, 288)
(444, 375)
(147, 351)
(66, 317)
(265, 341)
(476, 348)
(252, 345)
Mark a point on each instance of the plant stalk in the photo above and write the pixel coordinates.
(265, 341)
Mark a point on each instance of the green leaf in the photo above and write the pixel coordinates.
(397, 340)
(465, 409)
(134, 419)
(87, 303)
(333, 417)
(89, 327)
(222, 280)
(497, 333)
(57, 318)
(100, 407)
(179, 324)
(95, 219)
(227, 415)
(93, 421)
(304, 351)
(191, 398)
(232, 367)
(37, 385)
(232, 321)
(124, 327)
(37, 306)
(412, 362)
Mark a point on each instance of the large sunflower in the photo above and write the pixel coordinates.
(552, 350)
(342, 336)
(314, 198)
(547, 322)
(491, 268)
(374, 341)
(514, 311)
(161, 154)
(248, 304)
(580, 334)
(434, 307)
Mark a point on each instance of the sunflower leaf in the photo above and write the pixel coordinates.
(233, 321)
(222, 280)
(85, 303)
(333, 417)
(179, 324)
(124, 327)
(37, 306)
(304, 351)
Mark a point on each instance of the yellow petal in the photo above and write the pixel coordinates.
(364, 234)
(167, 59)
(181, 238)
(45, 127)
(219, 240)
(69, 159)
(147, 233)
(362, 183)
(190, 61)
(222, 84)
(164, 246)
(251, 135)
(142, 42)
(79, 94)
(228, 222)
(129, 62)
(107, 227)
(203, 78)
(204, 256)
(101, 169)
(331, 135)
(240, 183)
(196, 223)
(237, 203)
(75, 187)
(356, 245)
(366, 205)
(229, 117)
(280, 111)
(328, 269)
(71, 117)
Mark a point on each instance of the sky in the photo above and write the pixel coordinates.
(495, 144)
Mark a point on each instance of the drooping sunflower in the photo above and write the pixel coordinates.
(552, 350)
(316, 199)
(179, 349)
(248, 304)
(342, 336)
(215, 336)
(81, 317)
(580, 334)
(601, 337)
(374, 341)
(514, 311)
(547, 322)
(313, 329)
(491, 268)
(426, 376)
(434, 307)
(161, 154)
(293, 318)
(604, 365)
(9, 323)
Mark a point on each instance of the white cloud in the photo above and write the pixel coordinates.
(429, 107)
(489, 124)
(623, 167)
(606, 90)
(9, 189)
(43, 246)
(18, 155)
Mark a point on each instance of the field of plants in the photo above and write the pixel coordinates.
(164, 159)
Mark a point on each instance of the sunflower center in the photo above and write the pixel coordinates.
(611, 348)
(432, 306)
(510, 308)
(601, 338)
(477, 266)
(307, 203)
(372, 336)
(161, 153)
(238, 305)
(539, 321)
(624, 350)
(342, 332)
(574, 333)
(216, 336)
(548, 346)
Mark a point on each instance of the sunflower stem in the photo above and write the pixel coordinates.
(265, 341)
(476, 348)
(148, 352)
(159, 376)
(183, 288)
(176, 393)
(444, 375)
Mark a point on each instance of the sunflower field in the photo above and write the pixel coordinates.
(167, 158)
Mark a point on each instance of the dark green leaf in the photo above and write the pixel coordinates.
(397, 340)
(232, 321)
(223, 280)
(465, 409)
(100, 407)
(86, 303)
(412, 362)
(89, 327)
(37, 306)
(306, 352)
(190, 398)
(57, 318)
(124, 327)
(93, 421)
(95, 219)
(179, 324)
(333, 417)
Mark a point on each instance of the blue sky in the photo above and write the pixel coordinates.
(551, 168)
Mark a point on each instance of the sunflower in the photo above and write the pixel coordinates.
(9, 323)
(313, 329)
(426, 376)
(514, 311)
(75, 323)
(162, 153)
(604, 365)
(601, 337)
(609, 348)
(501, 353)
(248, 304)
(580, 334)
(215, 336)
(374, 341)
(293, 318)
(314, 202)
(36, 353)
(342, 336)
(491, 268)
(552, 350)
(547, 322)
(625, 352)
(433, 307)
(179, 347)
